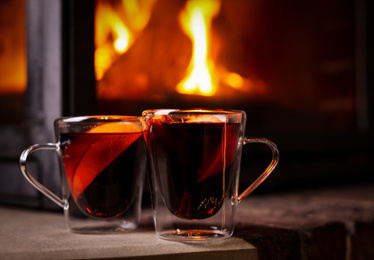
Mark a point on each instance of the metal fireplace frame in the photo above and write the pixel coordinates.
(42, 105)
(60, 82)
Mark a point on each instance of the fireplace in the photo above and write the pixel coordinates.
(301, 71)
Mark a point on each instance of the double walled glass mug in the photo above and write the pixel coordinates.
(102, 164)
(194, 160)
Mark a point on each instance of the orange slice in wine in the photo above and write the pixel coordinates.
(224, 156)
(202, 119)
(123, 127)
(91, 153)
(163, 119)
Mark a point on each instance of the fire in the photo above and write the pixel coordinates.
(116, 30)
(196, 20)
(204, 76)
(118, 25)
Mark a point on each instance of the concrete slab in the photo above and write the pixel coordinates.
(31, 234)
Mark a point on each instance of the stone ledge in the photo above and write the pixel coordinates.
(30, 234)
(330, 223)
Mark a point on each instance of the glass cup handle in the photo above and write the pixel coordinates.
(275, 159)
(32, 180)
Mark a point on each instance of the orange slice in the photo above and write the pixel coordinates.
(87, 155)
(74, 152)
(163, 119)
(123, 127)
(202, 119)
(97, 157)
(223, 158)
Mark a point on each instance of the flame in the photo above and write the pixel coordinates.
(113, 36)
(137, 12)
(203, 75)
(196, 20)
(118, 24)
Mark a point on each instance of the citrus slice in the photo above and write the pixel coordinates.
(97, 157)
(202, 119)
(163, 119)
(74, 152)
(123, 127)
(224, 157)
(90, 153)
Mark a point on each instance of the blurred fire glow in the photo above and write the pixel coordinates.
(114, 33)
(118, 27)
(13, 61)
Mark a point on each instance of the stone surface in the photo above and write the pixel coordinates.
(272, 242)
(329, 223)
(29, 234)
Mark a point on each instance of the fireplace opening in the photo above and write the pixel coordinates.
(176, 49)
(290, 66)
(299, 70)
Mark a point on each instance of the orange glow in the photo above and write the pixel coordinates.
(13, 62)
(137, 13)
(233, 80)
(196, 20)
(119, 25)
(116, 29)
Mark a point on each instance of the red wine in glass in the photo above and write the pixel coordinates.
(102, 170)
(193, 164)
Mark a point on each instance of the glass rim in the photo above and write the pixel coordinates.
(89, 119)
(199, 115)
(201, 111)
(83, 124)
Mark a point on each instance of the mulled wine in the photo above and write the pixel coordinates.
(102, 170)
(193, 164)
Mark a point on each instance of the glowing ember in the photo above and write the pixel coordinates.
(196, 20)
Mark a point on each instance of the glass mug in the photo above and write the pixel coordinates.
(102, 164)
(194, 159)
